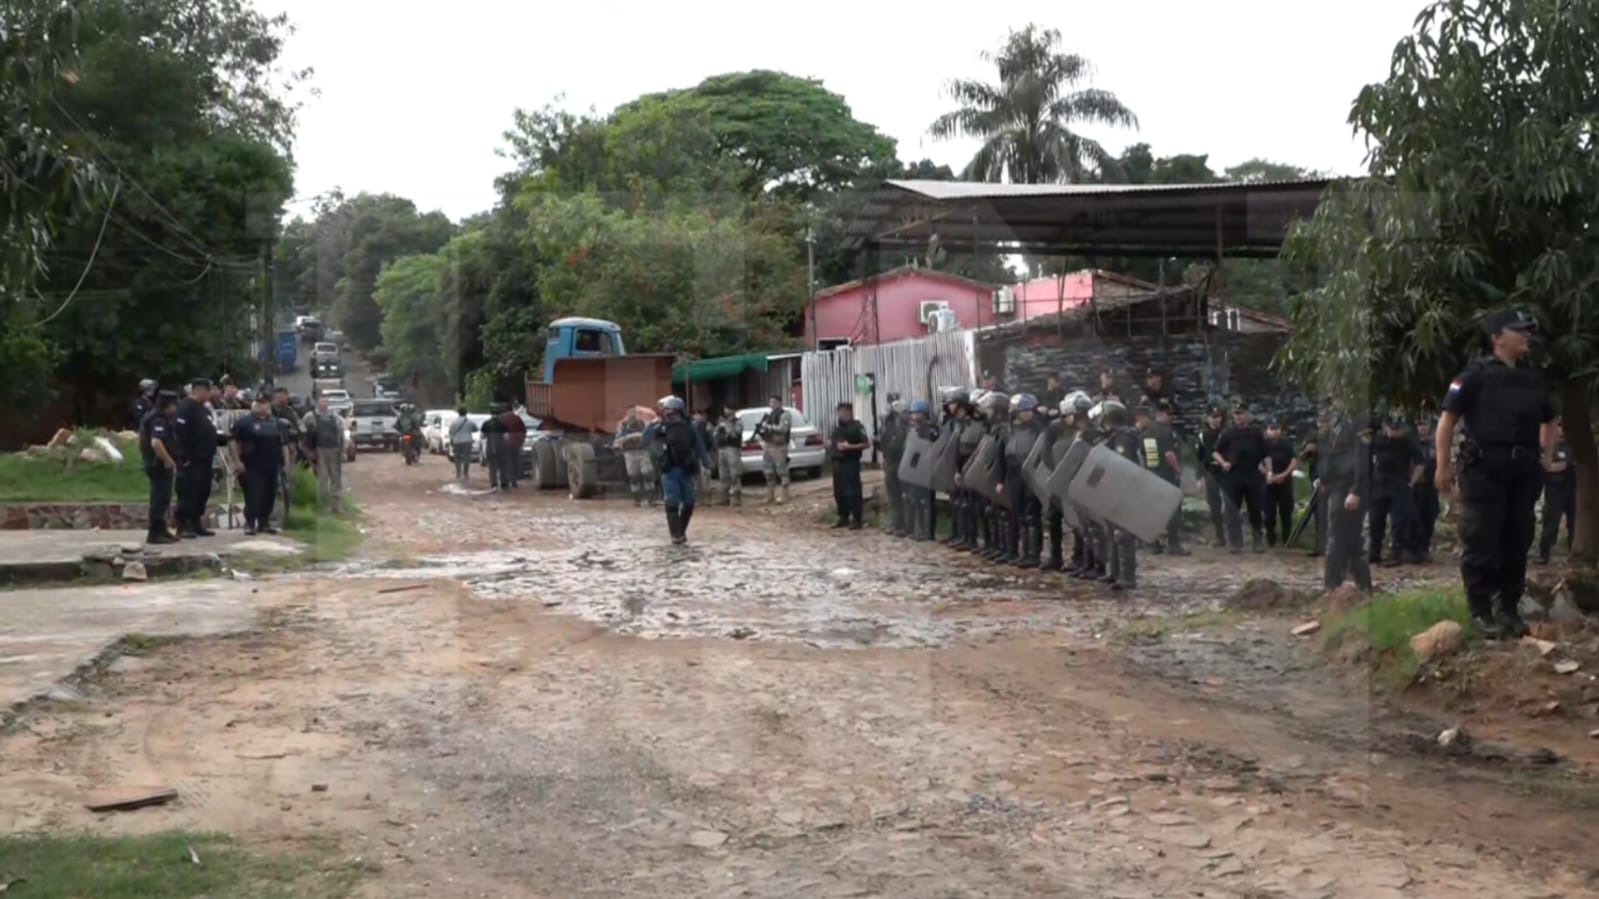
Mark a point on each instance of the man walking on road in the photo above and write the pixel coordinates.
(325, 432)
(493, 434)
(676, 443)
(461, 444)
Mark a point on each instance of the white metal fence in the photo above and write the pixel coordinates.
(828, 378)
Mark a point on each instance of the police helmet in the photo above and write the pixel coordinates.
(1024, 402)
(997, 404)
(146, 385)
(672, 403)
(1095, 412)
(1077, 402)
(920, 407)
(978, 397)
(1112, 414)
(896, 404)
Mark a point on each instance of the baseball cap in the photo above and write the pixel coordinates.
(1514, 319)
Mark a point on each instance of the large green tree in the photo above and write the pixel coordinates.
(1025, 120)
(1480, 194)
(178, 106)
(381, 228)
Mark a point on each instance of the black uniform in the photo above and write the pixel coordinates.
(1501, 473)
(1559, 502)
(967, 502)
(1095, 539)
(1123, 573)
(1208, 438)
(1345, 470)
(1424, 504)
(197, 435)
(891, 440)
(493, 437)
(1243, 483)
(1000, 516)
(1057, 439)
(919, 503)
(157, 427)
(1393, 460)
(1026, 511)
(1156, 441)
(1279, 497)
(261, 443)
(142, 407)
(847, 473)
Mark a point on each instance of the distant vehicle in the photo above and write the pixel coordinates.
(325, 349)
(336, 336)
(589, 382)
(287, 351)
(338, 396)
(309, 327)
(806, 449)
(386, 386)
(436, 430)
(326, 367)
(373, 423)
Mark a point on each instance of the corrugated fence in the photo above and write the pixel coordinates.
(828, 378)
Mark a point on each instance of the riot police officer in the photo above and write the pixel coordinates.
(969, 432)
(1096, 549)
(1345, 470)
(1158, 453)
(1073, 410)
(1123, 438)
(158, 446)
(891, 439)
(920, 510)
(999, 544)
(1026, 429)
(197, 435)
(1508, 418)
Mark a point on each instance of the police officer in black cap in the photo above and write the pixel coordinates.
(1345, 491)
(261, 452)
(158, 445)
(197, 438)
(1508, 417)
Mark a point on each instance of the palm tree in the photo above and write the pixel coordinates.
(1024, 120)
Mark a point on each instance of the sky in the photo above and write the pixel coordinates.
(413, 100)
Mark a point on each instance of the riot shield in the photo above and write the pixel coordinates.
(982, 471)
(1058, 486)
(1036, 468)
(916, 466)
(946, 461)
(1112, 488)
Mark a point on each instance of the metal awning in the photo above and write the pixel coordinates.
(717, 367)
(1192, 220)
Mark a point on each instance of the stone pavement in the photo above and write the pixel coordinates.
(47, 634)
(35, 556)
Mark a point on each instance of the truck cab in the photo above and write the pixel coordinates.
(580, 338)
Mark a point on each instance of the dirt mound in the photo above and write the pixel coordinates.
(1266, 595)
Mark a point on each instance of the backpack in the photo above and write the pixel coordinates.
(677, 446)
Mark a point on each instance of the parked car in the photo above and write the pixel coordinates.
(436, 430)
(373, 423)
(339, 401)
(806, 452)
(478, 418)
(325, 349)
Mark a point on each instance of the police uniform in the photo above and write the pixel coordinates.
(159, 428)
(921, 515)
(1156, 441)
(774, 431)
(847, 492)
(1123, 438)
(999, 515)
(1345, 471)
(1559, 502)
(261, 441)
(1242, 484)
(968, 503)
(1095, 542)
(1026, 511)
(1502, 410)
(1206, 449)
(1424, 504)
(1280, 456)
(1058, 439)
(891, 438)
(1394, 459)
(197, 435)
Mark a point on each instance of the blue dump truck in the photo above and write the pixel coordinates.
(288, 350)
(589, 381)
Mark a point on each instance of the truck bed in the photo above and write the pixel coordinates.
(591, 395)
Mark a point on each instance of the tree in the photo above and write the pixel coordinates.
(1480, 190)
(407, 292)
(381, 228)
(1025, 120)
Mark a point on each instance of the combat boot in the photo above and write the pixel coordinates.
(1509, 619)
(674, 524)
(771, 494)
(1259, 543)
(783, 496)
(683, 518)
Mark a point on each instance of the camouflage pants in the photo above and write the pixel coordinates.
(774, 463)
(640, 473)
(730, 472)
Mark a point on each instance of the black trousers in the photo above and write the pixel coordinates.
(897, 520)
(1319, 518)
(847, 488)
(1213, 500)
(1424, 510)
(260, 495)
(1346, 548)
(1499, 489)
(1391, 507)
(194, 492)
(1559, 502)
(1241, 490)
(160, 497)
(1279, 510)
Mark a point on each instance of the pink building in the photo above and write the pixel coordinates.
(907, 297)
(896, 305)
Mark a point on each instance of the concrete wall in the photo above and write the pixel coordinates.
(1238, 365)
(846, 314)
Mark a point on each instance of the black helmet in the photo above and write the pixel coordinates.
(1112, 414)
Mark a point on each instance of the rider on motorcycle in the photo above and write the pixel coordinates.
(409, 424)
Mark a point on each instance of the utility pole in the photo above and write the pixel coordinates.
(810, 285)
(268, 321)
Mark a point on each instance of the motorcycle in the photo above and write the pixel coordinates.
(409, 449)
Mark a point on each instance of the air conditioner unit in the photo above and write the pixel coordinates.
(1004, 301)
(942, 320)
(927, 308)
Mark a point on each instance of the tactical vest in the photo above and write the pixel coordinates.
(327, 434)
(1152, 453)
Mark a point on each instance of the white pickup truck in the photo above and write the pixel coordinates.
(372, 422)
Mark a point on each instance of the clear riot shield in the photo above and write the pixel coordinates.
(1112, 488)
(946, 461)
(982, 471)
(921, 457)
(1058, 487)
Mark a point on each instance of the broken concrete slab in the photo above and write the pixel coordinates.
(53, 556)
(124, 799)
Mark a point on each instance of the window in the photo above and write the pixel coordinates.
(588, 341)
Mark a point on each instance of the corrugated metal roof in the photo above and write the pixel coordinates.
(983, 190)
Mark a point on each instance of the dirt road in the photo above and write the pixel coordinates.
(523, 696)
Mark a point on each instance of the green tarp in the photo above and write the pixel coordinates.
(720, 367)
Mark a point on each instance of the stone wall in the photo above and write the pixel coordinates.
(83, 516)
(1233, 364)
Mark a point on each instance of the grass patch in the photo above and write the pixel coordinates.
(330, 536)
(1380, 630)
(52, 866)
(61, 476)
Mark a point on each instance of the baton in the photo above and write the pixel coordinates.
(1310, 509)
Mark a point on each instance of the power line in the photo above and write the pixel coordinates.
(116, 189)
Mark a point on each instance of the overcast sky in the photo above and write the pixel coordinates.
(414, 99)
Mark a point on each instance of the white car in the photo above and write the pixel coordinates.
(806, 451)
(324, 348)
(339, 401)
(436, 430)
